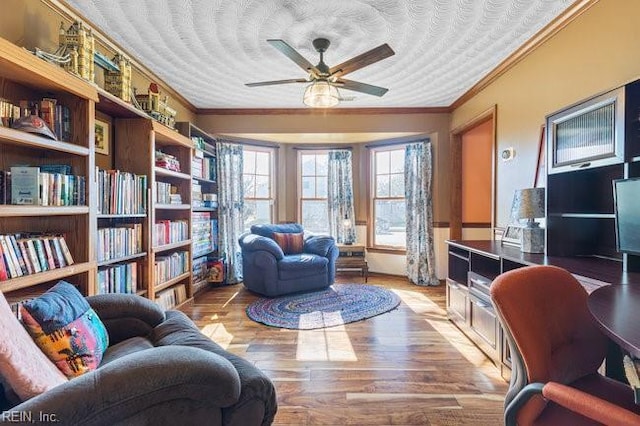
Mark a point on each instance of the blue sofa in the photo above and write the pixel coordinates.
(268, 271)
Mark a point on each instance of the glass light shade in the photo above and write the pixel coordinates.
(320, 94)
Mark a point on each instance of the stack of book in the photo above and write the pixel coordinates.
(26, 254)
(167, 161)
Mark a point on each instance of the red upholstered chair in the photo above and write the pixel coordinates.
(556, 350)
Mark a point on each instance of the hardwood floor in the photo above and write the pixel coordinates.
(410, 366)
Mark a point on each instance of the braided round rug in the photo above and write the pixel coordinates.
(336, 305)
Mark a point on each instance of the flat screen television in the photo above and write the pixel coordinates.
(627, 208)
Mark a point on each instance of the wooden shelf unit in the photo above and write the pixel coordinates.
(26, 77)
(135, 143)
(208, 186)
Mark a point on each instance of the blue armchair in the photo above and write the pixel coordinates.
(268, 271)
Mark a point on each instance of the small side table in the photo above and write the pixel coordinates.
(352, 258)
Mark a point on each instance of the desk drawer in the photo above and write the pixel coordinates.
(480, 284)
(483, 321)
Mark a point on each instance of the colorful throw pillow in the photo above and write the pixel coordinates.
(68, 331)
(290, 243)
(23, 366)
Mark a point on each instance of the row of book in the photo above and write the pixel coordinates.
(170, 266)
(119, 241)
(55, 115)
(172, 297)
(170, 231)
(26, 254)
(202, 237)
(167, 193)
(122, 278)
(46, 185)
(121, 192)
(203, 167)
(167, 161)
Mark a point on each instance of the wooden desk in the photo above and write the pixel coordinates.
(616, 309)
(352, 257)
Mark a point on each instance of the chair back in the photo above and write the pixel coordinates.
(267, 230)
(543, 310)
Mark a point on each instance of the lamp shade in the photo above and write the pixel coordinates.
(529, 203)
(321, 94)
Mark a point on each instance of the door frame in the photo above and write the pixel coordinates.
(455, 171)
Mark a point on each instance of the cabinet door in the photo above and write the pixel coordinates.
(457, 301)
(483, 321)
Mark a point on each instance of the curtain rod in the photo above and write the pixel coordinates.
(399, 141)
(322, 148)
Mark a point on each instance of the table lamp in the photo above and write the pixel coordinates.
(530, 206)
(346, 224)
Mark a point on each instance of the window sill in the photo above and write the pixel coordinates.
(386, 250)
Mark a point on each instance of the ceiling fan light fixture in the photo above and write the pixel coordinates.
(321, 94)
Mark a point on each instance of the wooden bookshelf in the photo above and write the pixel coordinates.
(26, 77)
(207, 149)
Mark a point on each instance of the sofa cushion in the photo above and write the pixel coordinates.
(22, 364)
(124, 348)
(290, 243)
(267, 230)
(67, 330)
(301, 265)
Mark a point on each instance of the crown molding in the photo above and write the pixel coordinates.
(320, 111)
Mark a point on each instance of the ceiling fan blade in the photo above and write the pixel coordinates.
(356, 86)
(272, 83)
(293, 54)
(374, 55)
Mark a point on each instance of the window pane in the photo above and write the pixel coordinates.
(308, 187)
(308, 164)
(390, 225)
(382, 186)
(262, 187)
(256, 212)
(263, 163)
(382, 162)
(315, 216)
(397, 185)
(321, 187)
(397, 161)
(248, 161)
(322, 161)
(249, 186)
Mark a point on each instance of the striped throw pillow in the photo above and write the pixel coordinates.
(290, 243)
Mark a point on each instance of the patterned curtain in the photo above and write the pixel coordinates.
(419, 213)
(230, 208)
(340, 197)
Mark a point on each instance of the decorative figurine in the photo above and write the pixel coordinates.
(154, 106)
(79, 44)
(118, 82)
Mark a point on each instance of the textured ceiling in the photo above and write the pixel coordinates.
(208, 49)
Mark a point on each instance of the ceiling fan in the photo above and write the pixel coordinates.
(323, 92)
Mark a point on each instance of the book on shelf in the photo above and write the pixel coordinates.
(25, 185)
(55, 115)
(43, 186)
(167, 161)
(121, 192)
(120, 278)
(27, 254)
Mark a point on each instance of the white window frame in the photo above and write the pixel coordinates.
(271, 177)
(374, 197)
(301, 199)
